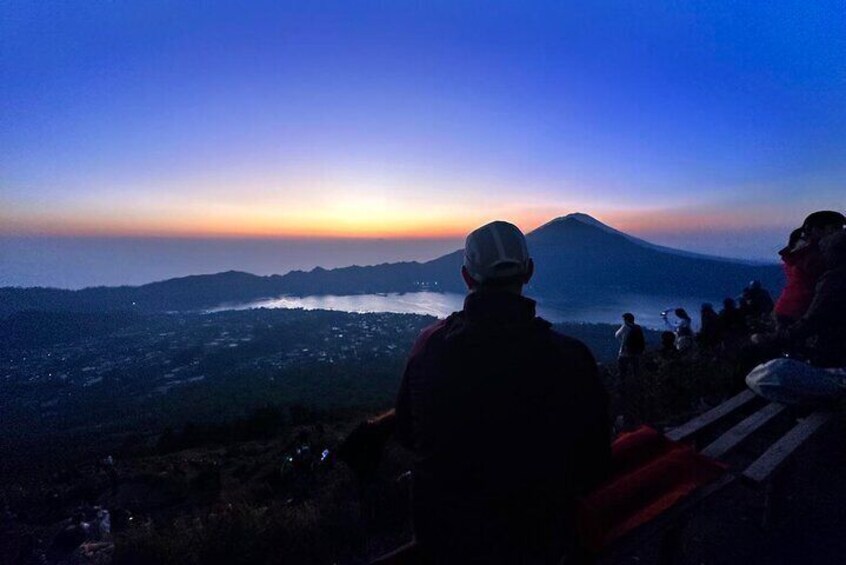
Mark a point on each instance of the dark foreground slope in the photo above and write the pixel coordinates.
(578, 260)
(265, 488)
(77, 381)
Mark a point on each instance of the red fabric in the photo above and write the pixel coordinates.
(649, 475)
(802, 269)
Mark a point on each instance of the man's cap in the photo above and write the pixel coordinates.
(824, 218)
(795, 236)
(496, 251)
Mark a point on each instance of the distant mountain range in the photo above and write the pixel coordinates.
(578, 259)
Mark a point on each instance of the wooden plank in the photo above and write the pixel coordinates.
(772, 458)
(711, 416)
(741, 431)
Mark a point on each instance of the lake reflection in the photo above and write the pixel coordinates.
(435, 304)
(646, 309)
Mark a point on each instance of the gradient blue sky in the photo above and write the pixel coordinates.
(692, 123)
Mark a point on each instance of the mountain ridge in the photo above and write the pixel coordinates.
(578, 259)
(591, 221)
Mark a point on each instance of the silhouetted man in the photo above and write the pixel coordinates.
(632, 345)
(709, 326)
(507, 419)
(801, 331)
(825, 319)
(756, 300)
(732, 324)
(820, 335)
(805, 264)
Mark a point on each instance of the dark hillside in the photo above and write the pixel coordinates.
(30, 329)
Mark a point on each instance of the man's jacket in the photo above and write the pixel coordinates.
(825, 321)
(503, 413)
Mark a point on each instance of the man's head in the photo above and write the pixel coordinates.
(628, 318)
(496, 256)
(823, 223)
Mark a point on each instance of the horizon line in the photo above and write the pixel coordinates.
(628, 223)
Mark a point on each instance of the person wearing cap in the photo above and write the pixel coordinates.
(507, 419)
(799, 280)
(820, 336)
(817, 330)
(821, 331)
(804, 264)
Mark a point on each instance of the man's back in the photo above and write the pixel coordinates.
(634, 342)
(508, 422)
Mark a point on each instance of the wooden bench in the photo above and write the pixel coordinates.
(669, 526)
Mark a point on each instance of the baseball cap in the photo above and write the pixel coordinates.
(496, 251)
(824, 218)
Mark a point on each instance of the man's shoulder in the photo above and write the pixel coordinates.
(429, 332)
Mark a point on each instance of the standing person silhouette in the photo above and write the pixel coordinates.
(632, 346)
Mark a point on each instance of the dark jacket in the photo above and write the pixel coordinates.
(732, 324)
(756, 302)
(709, 332)
(508, 422)
(824, 321)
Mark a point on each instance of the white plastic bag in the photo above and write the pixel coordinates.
(795, 382)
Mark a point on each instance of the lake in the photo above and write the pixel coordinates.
(647, 309)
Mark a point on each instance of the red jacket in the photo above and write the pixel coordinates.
(802, 269)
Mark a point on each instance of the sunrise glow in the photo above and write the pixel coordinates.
(123, 120)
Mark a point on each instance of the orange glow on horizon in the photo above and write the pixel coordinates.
(399, 227)
(353, 214)
(359, 223)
